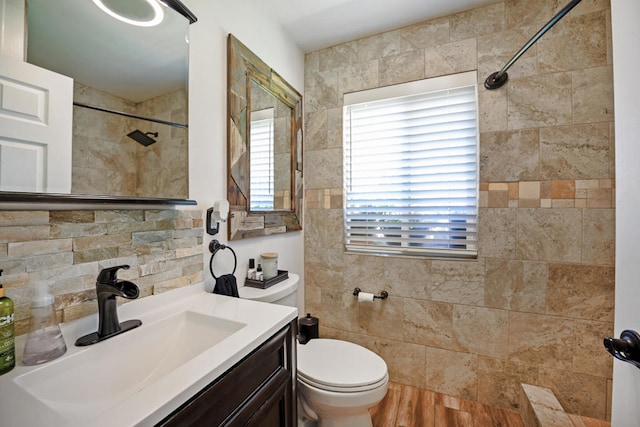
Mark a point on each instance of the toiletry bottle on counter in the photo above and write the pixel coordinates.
(7, 338)
(44, 341)
(251, 273)
(259, 275)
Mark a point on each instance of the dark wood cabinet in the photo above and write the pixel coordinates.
(258, 391)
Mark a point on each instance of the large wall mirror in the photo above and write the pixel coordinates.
(264, 184)
(140, 71)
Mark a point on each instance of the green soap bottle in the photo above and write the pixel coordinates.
(7, 339)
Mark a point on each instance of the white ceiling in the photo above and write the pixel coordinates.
(316, 24)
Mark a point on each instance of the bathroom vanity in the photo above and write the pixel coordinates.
(197, 359)
(256, 392)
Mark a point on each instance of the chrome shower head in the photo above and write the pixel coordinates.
(143, 138)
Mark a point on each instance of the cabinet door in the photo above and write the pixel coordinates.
(256, 391)
(268, 407)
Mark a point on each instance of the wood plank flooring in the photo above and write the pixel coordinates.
(406, 406)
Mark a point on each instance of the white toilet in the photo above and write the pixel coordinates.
(338, 381)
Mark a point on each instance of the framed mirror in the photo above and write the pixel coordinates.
(264, 148)
(130, 92)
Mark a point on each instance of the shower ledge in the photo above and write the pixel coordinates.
(540, 408)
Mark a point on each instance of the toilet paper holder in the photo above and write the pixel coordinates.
(383, 294)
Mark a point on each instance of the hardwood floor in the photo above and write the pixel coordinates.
(406, 406)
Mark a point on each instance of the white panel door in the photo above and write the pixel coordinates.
(36, 115)
(625, 15)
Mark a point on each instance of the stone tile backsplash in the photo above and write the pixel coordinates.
(163, 248)
(534, 306)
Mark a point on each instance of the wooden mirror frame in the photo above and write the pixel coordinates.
(242, 67)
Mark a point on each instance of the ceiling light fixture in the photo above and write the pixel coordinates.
(123, 11)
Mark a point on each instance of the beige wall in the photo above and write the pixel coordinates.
(537, 302)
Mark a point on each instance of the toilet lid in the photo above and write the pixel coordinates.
(339, 364)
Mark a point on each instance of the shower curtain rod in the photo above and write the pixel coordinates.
(133, 116)
(499, 78)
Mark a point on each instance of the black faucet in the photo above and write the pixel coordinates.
(108, 287)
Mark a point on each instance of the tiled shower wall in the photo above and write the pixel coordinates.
(106, 161)
(535, 305)
(162, 247)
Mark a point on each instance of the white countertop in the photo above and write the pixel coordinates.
(155, 400)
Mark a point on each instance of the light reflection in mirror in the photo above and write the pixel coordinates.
(261, 160)
(270, 151)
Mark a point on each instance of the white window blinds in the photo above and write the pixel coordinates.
(410, 168)
(261, 160)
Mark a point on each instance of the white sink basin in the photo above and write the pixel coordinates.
(94, 380)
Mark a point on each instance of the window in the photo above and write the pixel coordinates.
(261, 161)
(410, 168)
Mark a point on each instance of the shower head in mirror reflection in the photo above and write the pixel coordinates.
(143, 138)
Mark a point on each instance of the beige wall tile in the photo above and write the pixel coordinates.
(598, 236)
(588, 357)
(24, 234)
(407, 278)
(540, 101)
(499, 381)
(360, 76)
(321, 91)
(592, 92)
(401, 68)
(428, 323)
(365, 272)
(549, 234)
(423, 35)
(539, 340)
(575, 152)
(452, 373)
(324, 171)
(38, 247)
(381, 318)
(516, 285)
(582, 292)
(450, 58)
(458, 282)
(578, 393)
(588, 46)
(510, 156)
(478, 22)
(343, 308)
(492, 114)
(334, 128)
(338, 56)
(390, 43)
(315, 137)
(482, 331)
(496, 49)
(497, 233)
(520, 12)
(22, 218)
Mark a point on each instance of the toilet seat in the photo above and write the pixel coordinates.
(340, 366)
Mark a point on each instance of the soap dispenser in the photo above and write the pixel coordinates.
(44, 340)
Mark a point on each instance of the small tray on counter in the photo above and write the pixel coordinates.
(264, 284)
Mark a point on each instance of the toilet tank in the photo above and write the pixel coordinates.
(283, 293)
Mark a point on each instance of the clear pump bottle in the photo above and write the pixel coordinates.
(44, 340)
